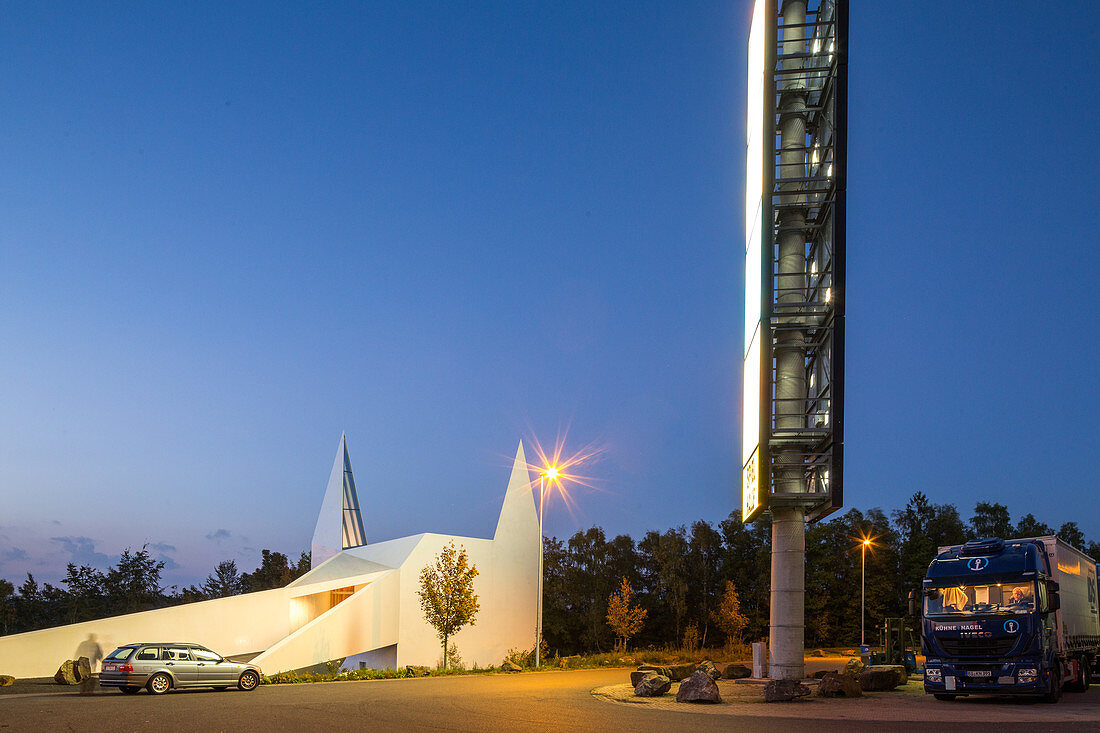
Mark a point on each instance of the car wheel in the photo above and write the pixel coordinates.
(160, 683)
(249, 681)
(941, 696)
(130, 690)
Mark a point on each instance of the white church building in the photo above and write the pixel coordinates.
(359, 601)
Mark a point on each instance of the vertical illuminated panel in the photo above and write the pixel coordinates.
(753, 482)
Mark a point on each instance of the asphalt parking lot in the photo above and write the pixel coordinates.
(555, 700)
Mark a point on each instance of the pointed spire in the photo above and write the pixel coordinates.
(518, 510)
(340, 523)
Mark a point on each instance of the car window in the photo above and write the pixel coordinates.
(176, 654)
(205, 655)
(149, 652)
(123, 652)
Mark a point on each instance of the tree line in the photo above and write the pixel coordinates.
(679, 577)
(133, 584)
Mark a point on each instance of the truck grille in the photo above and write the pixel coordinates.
(978, 647)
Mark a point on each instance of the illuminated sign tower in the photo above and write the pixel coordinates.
(792, 452)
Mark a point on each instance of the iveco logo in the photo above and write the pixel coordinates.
(978, 563)
(1012, 627)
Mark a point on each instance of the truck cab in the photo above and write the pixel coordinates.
(989, 622)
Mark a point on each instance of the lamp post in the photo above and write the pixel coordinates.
(862, 586)
(551, 473)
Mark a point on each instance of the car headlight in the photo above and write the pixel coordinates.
(933, 675)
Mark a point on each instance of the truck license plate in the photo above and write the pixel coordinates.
(949, 682)
(979, 673)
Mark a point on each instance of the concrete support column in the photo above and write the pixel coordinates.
(787, 617)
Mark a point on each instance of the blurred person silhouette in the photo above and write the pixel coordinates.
(90, 649)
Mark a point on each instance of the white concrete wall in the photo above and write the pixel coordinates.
(365, 621)
(235, 625)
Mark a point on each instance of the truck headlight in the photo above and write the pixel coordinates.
(933, 675)
(1027, 674)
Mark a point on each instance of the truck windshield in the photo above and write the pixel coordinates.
(974, 599)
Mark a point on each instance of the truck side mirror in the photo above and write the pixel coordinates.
(914, 603)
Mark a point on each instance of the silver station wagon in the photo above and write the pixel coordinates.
(162, 666)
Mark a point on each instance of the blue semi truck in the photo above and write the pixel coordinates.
(1015, 617)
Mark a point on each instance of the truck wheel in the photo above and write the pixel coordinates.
(942, 696)
(1055, 693)
(1082, 682)
(1086, 675)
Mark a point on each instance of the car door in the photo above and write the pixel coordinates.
(181, 663)
(210, 668)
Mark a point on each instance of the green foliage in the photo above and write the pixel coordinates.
(275, 571)
(447, 595)
(453, 660)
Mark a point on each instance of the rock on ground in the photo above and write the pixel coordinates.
(822, 672)
(878, 680)
(66, 674)
(817, 653)
(83, 669)
(897, 669)
(698, 688)
(853, 667)
(681, 671)
(654, 668)
(784, 690)
(736, 672)
(6, 680)
(652, 685)
(838, 685)
(508, 666)
(708, 667)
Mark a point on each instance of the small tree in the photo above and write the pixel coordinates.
(625, 620)
(728, 615)
(447, 593)
(691, 637)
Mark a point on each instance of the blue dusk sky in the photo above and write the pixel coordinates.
(230, 232)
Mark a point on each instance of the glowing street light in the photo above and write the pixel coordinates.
(551, 474)
(862, 585)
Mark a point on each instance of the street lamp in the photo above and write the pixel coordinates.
(862, 586)
(550, 473)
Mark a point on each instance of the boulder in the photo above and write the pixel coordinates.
(878, 680)
(708, 667)
(837, 685)
(652, 685)
(736, 672)
(681, 671)
(65, 674)
(897, 669)
(83, 669)
(6, 680)
(509, 666)
(699, 687)
(853, 668)
(784, 690)
(822, 672)
(654, 668)
(817, 653)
